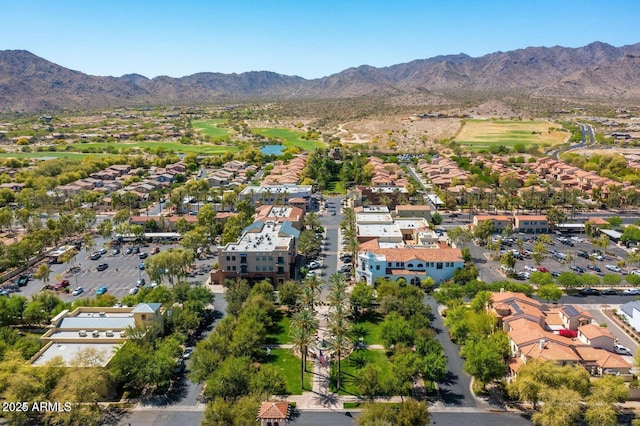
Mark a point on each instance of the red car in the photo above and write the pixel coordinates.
(542, 269)
(62, 284)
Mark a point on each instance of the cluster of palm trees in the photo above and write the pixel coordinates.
(338, 325)
(304, 323)
(350, 231)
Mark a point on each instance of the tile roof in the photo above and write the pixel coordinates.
(274, 410)
(592, 331)
(601, 357)
(550, 351)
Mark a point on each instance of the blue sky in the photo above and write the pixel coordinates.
(305, 38)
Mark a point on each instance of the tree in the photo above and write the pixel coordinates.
(172, 263)
(561, 408)
(549, 292)
(555, 216)
(539, 253)
(361, 297)
(413, 413)
(601, 404)
(395, 329)
(436, 218)
(269, 380)
(568, 280)
(377, 414)
(105, 228)
(309, 243)
(368, 380)
(289, 294)
(484, 230)
(611, 280)
(460, 236)
(615, 221)
(42, 273)
(508, 260)
(484, 361)
(304, 326)
(230, 380)
(541, 278)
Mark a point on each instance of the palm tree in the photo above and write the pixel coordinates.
(304, 326)
(338, 343)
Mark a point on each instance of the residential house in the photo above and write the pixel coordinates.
(273, 413)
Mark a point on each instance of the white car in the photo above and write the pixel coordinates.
(530, 268)
(613, 268)
(314, 265)
(621, 350)
(133, 291)
(636, 272)
(631, 292)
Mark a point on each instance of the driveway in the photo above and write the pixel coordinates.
(455, 389)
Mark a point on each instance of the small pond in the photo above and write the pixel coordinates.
(272, 149)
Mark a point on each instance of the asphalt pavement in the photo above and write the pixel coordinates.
(455, 389)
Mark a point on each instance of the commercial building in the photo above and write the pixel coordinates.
(265, 250)
(412, 263)
(98, 329)
(276, 194)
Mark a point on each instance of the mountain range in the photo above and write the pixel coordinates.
(29, 83)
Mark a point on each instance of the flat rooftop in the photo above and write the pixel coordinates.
(276, 189)
(68, 351)
(97, 323)
(412, 223)
(380, 231)
(373, 218)
(268, 238)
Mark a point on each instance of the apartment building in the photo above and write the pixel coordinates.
(265, 250)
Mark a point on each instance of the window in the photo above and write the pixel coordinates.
(410, 265)
(439, 265)
(280, 260)
(419, 265)
(264, 269)
(257, 258)
(264, 258)
(233, 258)
(233, 268)
(377, 267)
(270, 268)
(228, 258)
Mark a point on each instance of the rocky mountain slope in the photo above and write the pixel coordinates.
(598, 70)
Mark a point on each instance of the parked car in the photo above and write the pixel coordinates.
(594, 268)
(187, 353)
(542, 269)
(101, 290)
(636, 272)
(529, 268)
(155, 250)
(582, 254)
(578, 269)
(102, 266)
(115, 252)
(631, 292)
(621, 350)
(135, 249)
(613, 268)
(95, 256)
(23, 280)
(598, 257)
(609, 292)
(179, 366)
(314, 265)
(102, 251)
(555, 274)
(134, 291)
(129, 250)
(62, 284)
(77, 291)
(588, 291)
(141, 282)
(144, 255)
(141, 266)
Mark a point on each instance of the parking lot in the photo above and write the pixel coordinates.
(121, 274)
(565, 254)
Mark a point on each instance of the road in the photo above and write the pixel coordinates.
(176, 416)
(455, 390)
(331, 244)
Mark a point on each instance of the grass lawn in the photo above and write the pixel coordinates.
(336, 187)
(279, 332)
(169, 146)
(290, 138)
(371, 322)
(482, 134)
(70, 155)
(290, 365)
(212, 128)
(350, 369)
